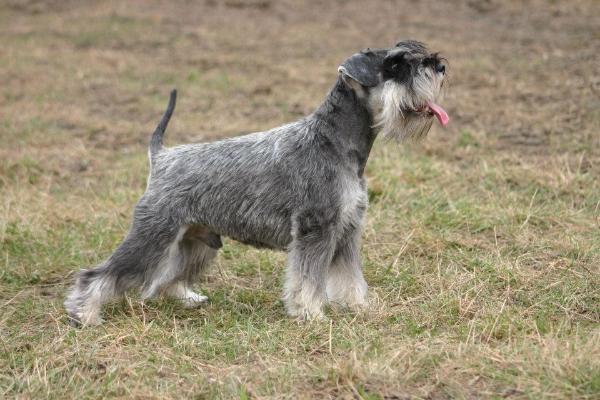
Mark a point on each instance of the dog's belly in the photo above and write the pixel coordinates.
(258, 244)
(260, 236)
(256, 222)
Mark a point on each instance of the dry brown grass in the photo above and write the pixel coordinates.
(482, 246)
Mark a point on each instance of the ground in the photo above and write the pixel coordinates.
(482, 247)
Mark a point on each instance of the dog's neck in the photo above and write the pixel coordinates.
(346, 121)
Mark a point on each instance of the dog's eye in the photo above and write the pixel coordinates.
(440, 68)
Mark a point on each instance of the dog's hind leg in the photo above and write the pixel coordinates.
(168, 269)
(196, 248)
(151, 236)
(93, 287)
(127, 267)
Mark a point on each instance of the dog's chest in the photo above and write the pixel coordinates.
(353, 202)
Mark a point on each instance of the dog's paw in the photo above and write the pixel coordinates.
(83, 320)
(305, 315)
(308, 318)
(193, 300)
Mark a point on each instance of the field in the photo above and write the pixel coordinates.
(482, 246)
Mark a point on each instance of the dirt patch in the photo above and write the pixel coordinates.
(522, 77)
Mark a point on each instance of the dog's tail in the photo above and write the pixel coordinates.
(156, 142)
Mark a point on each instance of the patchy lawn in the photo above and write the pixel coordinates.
(482, 248)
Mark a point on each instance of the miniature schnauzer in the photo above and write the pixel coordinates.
(299, 188)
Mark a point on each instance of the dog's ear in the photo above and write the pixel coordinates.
(363, 68)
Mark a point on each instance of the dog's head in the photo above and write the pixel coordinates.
(400, 86)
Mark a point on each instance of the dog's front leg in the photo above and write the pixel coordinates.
(346, 285)
(309, 257)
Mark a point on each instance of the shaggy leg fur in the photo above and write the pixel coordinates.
(346, 285)
(310, 256)
(197, 256)
(158, 264)
(92, 288)
(124, 269)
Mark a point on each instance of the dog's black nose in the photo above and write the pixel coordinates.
(441, 68)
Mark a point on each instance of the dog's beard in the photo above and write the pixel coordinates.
(396, 118)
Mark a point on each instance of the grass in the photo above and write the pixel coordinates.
(482, 244)
(466, 287)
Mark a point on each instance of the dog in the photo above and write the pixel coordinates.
(298, 188)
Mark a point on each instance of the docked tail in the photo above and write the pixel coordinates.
(156, 143)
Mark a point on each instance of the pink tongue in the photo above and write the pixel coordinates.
(439, 112)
